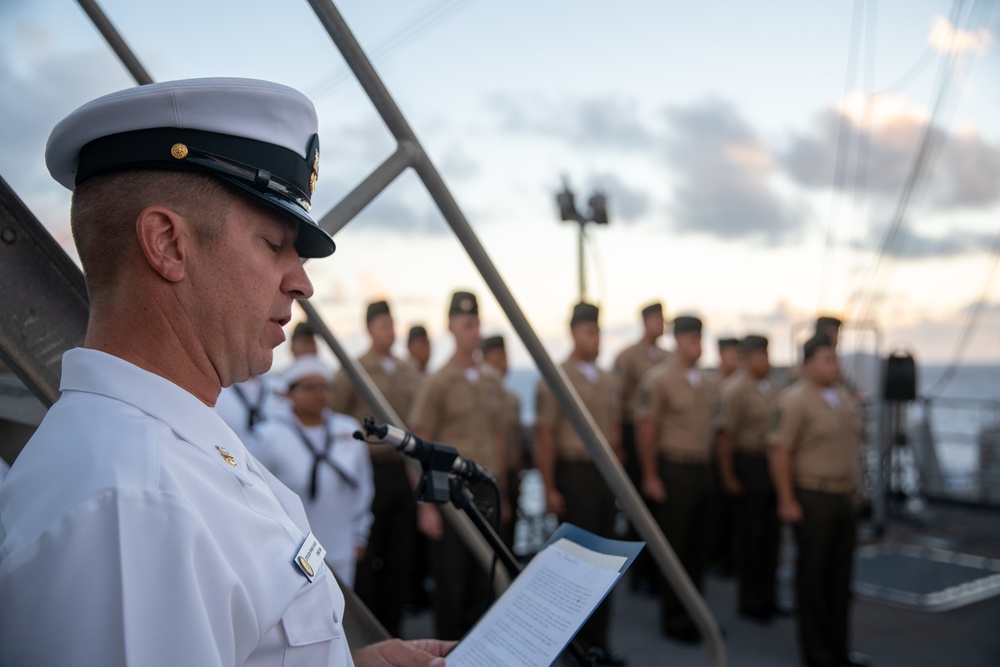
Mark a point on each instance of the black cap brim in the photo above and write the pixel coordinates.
(312, 241)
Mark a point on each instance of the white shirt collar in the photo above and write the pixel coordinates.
(830, 396)
(96, 372)
(589, 370)
(388, 365)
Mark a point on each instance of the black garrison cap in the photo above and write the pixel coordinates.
(726, 343)
(416, 332)
(463, 303)
(652, 309)
(375, 309)
(815, 343)
(824, 321)
(493, 343)
(583, 312)
(753, 342)
(687, 324)
(302, 330)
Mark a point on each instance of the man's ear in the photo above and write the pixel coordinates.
(163, 235)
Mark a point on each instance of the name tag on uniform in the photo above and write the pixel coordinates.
(309, 559)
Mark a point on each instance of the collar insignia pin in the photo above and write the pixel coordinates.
(229, 458)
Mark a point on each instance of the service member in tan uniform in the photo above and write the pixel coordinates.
(418, 344)
(746, 404)
(495, 364)
(383, 573)
(574, 489)
(674, 429)
(723, 551)
(729, 358)
(813, 447)
(630, 365)
(460, 406)
(303, 342)
(419, 347)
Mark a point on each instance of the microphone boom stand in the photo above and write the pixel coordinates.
(439, 486)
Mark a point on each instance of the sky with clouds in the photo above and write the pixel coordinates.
(757, 157)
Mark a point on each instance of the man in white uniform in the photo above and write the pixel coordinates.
(312, 450)
(135, 529)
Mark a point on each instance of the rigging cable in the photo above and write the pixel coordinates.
(402, 36)
(971, 322)
(843, 148)
(876, 275)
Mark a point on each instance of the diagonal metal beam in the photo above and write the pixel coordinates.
(368, 189)
(116, 41)
(45, 299)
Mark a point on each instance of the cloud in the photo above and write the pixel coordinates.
(911, 244)
(946, 39)
(724, 170)
(37, 89)
(605, 121)
(968, 174)
(880, 144)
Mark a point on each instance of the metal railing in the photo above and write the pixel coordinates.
(956, 444)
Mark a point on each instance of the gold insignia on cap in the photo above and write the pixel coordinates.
(229, 458)
(180, 151)
(306, 567)
(465, 305)
(315, 173)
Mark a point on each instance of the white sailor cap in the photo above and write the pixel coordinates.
(258, 136)
(306, 366)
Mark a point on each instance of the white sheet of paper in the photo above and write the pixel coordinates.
(541, 611)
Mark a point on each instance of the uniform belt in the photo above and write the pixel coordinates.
(756, 453)
(825, 485)
(384, 454)
(687, 457)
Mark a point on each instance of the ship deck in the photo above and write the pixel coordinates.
(892, 634)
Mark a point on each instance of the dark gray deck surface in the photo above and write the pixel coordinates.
(894, 636)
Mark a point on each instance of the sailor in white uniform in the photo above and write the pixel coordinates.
(246, 405)
(135, 529)
(313, 451)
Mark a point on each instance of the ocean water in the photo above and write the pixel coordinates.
(961, 414)
(971, 384)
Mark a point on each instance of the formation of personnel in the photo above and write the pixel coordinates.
(722, 458)
(674, 426)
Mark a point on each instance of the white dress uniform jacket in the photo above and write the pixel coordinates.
(126, 538)
(340, 514)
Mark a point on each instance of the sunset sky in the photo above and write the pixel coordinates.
(753, 154)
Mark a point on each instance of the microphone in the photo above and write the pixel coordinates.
(435, 456)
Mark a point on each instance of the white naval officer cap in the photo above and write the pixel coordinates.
(306, 366)
(258, 136)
